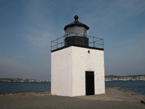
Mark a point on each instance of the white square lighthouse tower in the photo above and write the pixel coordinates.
(77, 62)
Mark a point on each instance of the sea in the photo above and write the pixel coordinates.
(137, 86)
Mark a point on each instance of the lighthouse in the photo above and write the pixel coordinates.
(77, 62)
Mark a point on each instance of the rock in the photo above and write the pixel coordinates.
(143, 101)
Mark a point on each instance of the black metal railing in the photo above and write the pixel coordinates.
(93, 42)
(96, 42)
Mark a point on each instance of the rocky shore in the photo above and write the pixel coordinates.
(114, 98)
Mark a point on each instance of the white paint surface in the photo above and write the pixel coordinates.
(68, 68)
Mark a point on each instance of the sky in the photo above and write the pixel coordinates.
(27, 28)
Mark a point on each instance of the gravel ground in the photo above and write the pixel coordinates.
(43, 100)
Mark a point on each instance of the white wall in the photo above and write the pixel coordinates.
(68, 68)
(61, 72)
(84, 61)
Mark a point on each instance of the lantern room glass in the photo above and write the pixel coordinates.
(76, 31)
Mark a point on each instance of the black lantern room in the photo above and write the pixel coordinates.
(76, 33)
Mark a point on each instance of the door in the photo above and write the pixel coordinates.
(90, 83)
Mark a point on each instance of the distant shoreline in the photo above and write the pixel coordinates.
(125, 78)
(21, 80)
(107, 78)
(50, 81)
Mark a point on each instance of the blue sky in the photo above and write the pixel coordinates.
(28, 26)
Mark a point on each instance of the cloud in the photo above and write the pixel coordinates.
(15, 69)
(130, 48)
(41, 42)
(113, 12)
(128, 58)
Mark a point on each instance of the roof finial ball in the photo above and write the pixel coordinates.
(76, 18)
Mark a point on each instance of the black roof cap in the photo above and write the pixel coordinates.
(76, 23)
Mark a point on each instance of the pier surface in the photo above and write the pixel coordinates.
(114, 98)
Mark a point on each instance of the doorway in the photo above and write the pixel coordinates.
(90, 83)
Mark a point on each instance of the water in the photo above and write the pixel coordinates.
(137, 86)
(21, 87)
